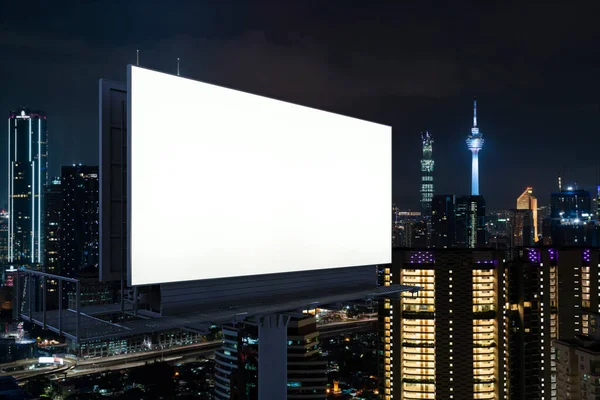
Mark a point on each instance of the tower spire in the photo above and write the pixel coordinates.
(475, 144)
(475, 112)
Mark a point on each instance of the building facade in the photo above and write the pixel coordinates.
(522, 229)
(433, 345)
(578, 364)
(443, 342)
(572, 219)
(527, 201)
(443, 222)
(4, 221)
(470, 222)
(27, 177)
(79, 228)
(551, 294)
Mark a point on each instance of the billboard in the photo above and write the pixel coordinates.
(223, 183)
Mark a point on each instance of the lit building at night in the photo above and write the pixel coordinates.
(578, 364)
(572, 220)
(571, 204)
(475, 144)
(410, 230)
(481, 327)
(51, 210)
(527, 201)
(427, 167)
(550, 294)
(470, 222)
(4, 221)
(27, 177)
(442, 342)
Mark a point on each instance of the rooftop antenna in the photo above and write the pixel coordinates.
(560, 176)
(177, 66)
(137, 57)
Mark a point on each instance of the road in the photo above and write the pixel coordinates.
(173, 354)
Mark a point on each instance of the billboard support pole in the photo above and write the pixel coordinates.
(29, 279)
(44, 302)
(272, 358)
(17, 295)
(78, 312)
(60, 306)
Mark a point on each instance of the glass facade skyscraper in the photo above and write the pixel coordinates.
(27, 177)
(427, 165)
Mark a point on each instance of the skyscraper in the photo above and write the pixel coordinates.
(475, 143)
(79, 219)
(527, 201)
(427, 165)
(443, 234)
(571, 219)
(442, 342)
(470, 222)
(27, 177)
(4, 221)
(483, 328)
(52, 209)
(521, 223)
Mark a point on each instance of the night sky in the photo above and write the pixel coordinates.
(534, 68)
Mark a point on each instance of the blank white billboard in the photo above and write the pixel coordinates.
(224, 183)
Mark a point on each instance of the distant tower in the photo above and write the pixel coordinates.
(475, 143)
(427, 174)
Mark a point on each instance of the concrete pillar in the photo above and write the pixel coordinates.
(272, 357)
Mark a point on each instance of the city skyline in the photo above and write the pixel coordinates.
(141, 135)
(302, 54)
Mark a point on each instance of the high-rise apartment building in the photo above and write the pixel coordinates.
(443, 342)
(578, 364)
(550, 294)
(427, 167)
(27, 177)
(79, 219)
(527, 201)
(237, 363)
(443, 220)
(482, 327)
